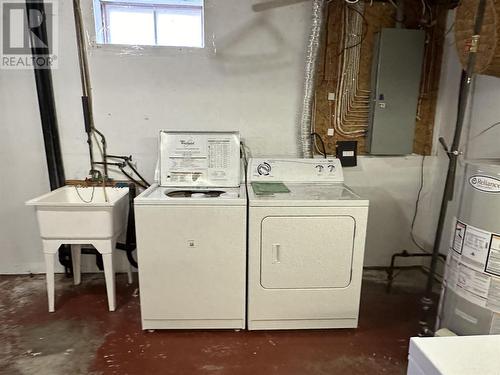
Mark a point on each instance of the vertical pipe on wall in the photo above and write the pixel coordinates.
(310, 76)
(464, 98)
(36, 15)
(45, 93)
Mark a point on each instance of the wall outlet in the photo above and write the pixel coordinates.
(330, 132)
(331, 96)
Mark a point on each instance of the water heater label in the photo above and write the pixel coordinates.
(493, 263)
(458, 239)
(475, 247)
(486, 184)
(473, 265)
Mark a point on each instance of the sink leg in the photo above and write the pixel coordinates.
(109, 274)
(76, 255)
(49, 272)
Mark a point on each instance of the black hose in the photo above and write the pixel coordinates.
(137, 173)
(130, 242)
(131, 259)
(127, 160)
(132, 179)
(313, 135)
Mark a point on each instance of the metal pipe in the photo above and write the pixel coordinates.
(310, 76)
(464, 96)
(46, 102)
(48, 114)
(86, 104)
(87, 90)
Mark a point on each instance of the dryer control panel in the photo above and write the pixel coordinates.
(295, 170)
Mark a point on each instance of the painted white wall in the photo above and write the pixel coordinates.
(485, 112)
(23, 172)
(248, 78)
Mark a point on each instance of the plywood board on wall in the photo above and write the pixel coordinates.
(377, 16)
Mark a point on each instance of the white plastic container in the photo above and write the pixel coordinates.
(75, 212)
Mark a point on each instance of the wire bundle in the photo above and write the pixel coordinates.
(349, 112)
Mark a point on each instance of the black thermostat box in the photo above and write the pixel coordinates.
(347, 152)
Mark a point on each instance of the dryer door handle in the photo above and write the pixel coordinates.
(276, 252)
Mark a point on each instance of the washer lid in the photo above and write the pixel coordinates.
(301, 194)
(202, 196)
(194, 158)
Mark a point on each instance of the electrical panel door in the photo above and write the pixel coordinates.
(396, 74)
(306, 251)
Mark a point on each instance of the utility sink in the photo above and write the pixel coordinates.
(78, 216)
(72, 212)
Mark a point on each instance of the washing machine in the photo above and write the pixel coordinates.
(306, 244)
(191, 235)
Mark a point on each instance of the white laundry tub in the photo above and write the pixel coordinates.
(81, 212)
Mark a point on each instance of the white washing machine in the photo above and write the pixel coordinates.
(306, 245)
(191, 235)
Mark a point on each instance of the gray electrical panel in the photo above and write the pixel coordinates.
(396, 74)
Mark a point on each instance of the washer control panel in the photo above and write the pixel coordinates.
(295, 170)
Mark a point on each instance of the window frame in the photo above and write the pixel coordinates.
(101, 20)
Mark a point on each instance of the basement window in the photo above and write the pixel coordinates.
(177, 23)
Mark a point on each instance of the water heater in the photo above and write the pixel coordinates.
(470, 299)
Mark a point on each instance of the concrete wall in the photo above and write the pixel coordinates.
(248, 78)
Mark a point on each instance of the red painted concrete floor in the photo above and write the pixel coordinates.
(82, 337)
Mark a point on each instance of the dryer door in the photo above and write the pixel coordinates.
(299, 252)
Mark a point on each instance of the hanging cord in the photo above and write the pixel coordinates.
(492, 126)
(415, 214)
(81, 198)
(245, 160)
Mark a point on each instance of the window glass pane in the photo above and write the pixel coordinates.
(180, 27)
(130, 25)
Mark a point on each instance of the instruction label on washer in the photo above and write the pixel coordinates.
(199, 159)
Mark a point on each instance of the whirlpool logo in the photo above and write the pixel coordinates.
(187, 143)
(485, 183)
